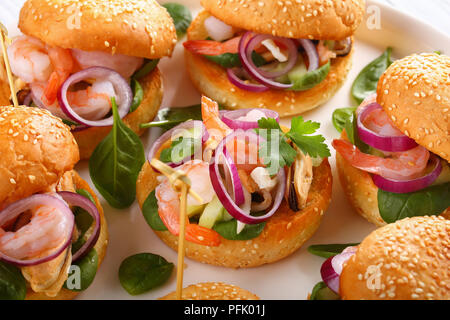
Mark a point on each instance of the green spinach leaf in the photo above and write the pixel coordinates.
(83, 221)
(82, 272)
(150, 212)
(352, 134)
(322, 292)
(328, 250)
(144, 271)
(340, 117)
(228, 229)
(13, 285)
(180, 149)
(148, 67)
(115, 164)
(138, 94)
(171, 117)
(305, 81)
(429, 201)
(367, 80)
(181, 16)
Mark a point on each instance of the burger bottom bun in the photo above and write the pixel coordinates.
(283, 233)
(212, 291)
(100, 245)
(361, 192)
(153, 93)
(404, 260)
(211, 80)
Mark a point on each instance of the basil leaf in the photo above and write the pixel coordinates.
(329, 250)
(82, 272)
(144, 271)
(150, 212)
(366, 82)
(232, 60)
(429, 201)
(138, 94)
(13, 285)
(322, 292)
(228, 230)
(181, 16)
(305, 81)
(340, 117)
(115, 164)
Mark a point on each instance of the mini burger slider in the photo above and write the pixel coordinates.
(405, 260)
(75, 56)
(40, 195)
(403, 142)
(212, 291)
(290, 56)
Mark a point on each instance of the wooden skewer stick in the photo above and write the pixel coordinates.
(3, 34)
(178, 179)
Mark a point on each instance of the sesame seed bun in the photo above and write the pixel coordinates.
(36, 150)
(212, 291)
(140, 28)
(360, 190)
(405, 260)
(283, 233)
(306, 19)
(100, 246)
(415, 93)
(211, 80)
(152, 86)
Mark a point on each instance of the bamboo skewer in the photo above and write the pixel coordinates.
(179, 181)
(3, 34)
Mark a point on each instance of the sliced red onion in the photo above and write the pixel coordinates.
(238, 192)
(231, 118)
(246, 47)
(347, 44)
(407, 186)
(121, 86)
(381, 142)
(243, 84)
(221, 191)
(168, 135)
(311, 52)
(78, 200)
(332, 268)
(15, 209)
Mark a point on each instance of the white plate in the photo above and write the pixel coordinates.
(295, 276)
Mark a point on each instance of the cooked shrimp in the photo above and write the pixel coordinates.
(169, 203)
(125, 65)
(400, 165)
(216, 128)
(212, 48)
(44, 233)
(29, 59)
(92, 103)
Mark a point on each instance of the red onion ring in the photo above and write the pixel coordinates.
(407, 186)
(311, 52)
(168, 135)
(381, 142)
(230, 118)
(78, 200)
(246, 46)
(238, 192)
(221, 190)
(242, 84)
(332, 268)
(121, 86)
(18, 207)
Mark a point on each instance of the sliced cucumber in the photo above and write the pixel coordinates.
(193, 210)
(226, 216)
(213, 212)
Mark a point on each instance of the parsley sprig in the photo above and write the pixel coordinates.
(275, 150)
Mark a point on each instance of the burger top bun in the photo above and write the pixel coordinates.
(212, 291)
(36, 149)
(309, 19)
(140, 28)
(405, 260)
(415, 93)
